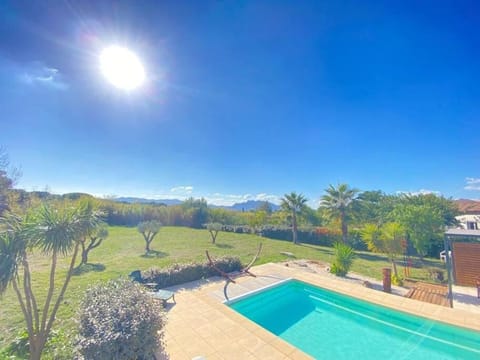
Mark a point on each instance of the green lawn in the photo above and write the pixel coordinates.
(123, 252)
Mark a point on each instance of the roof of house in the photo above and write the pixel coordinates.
(467, 206)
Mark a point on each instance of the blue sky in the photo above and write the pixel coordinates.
(244, 99)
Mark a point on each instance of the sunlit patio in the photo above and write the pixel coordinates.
(200, 326)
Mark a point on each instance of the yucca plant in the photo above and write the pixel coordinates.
(54, 232)
(344, 256)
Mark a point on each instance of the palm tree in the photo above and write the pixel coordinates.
(338, 203)
(386, 239)
(294, 204)
(56, 233)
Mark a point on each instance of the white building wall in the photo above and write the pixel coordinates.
(469, 222)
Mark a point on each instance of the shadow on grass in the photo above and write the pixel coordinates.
(426, 262)
(329, 252)
(224, 246)
(154, 254)
(372, 257)
(86, 268)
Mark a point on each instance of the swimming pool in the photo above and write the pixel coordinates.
(328, 325)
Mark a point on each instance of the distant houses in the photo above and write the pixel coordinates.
(470, 218)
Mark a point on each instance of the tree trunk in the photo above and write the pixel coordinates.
(294, 228)
(84, 256)
(148, 240)
(60, 297)
(394, 266)
(344, 228)
(35, 350)
(84, 253)
(214, 236)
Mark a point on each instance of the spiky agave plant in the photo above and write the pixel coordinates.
(344, 256)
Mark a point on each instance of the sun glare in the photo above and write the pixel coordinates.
(122, 68)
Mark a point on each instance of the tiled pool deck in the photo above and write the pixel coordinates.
(200, 325)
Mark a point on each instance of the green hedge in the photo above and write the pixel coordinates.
(306, 235)
(182, 273)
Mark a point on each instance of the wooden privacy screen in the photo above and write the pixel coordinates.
(466, 258)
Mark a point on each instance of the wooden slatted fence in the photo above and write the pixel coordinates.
(466, 262)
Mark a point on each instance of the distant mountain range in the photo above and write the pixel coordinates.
(243, 206)
(248, 205)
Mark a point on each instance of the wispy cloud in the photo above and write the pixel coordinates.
(38, 74)
(472, 184)
(182, 190)
(419, 192)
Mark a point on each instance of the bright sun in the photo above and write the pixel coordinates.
(122, 67)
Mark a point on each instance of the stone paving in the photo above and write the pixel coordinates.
(201, 327)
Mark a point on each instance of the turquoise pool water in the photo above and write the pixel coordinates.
(328, 325)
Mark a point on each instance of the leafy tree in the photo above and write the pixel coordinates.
(55, 232)
(339, 205)
(294, 204)
(197, 211)
(373, 207)
(266, 206)
(423, 224)
(8, 176)
(95, 231)
(222, 216)
(149, 229)
(213, 229)
(256, 219)
(311, 217)
(447, 208)
(386, 239)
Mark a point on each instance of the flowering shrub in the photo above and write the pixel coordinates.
(119, 320)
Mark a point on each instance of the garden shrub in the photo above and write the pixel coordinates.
(238, 229)
(182, 273)
(119, 320)
(396, 280)
(18, 348)
(355, 240)
(308, 235)
(344, 256)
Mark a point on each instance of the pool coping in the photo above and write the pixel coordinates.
(233, 300)
(451, 316)
(201, 323)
